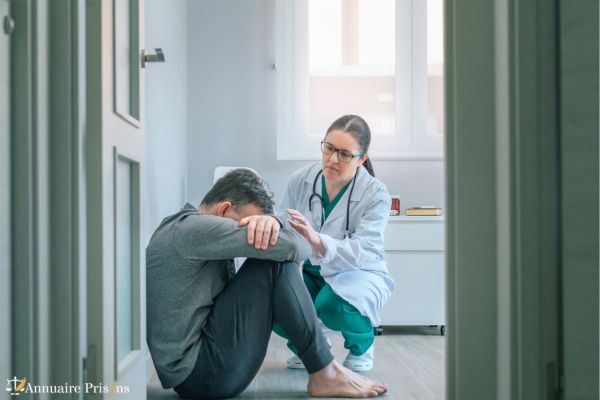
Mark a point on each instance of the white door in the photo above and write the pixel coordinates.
(5, 292)
(116, 278)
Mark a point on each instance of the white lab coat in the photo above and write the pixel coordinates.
(354, 267)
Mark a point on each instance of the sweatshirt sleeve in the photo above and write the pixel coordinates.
(208, 237)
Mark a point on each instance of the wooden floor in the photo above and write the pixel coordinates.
(411, 360)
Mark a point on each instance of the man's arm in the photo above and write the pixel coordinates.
(209, 237)
(262, 230)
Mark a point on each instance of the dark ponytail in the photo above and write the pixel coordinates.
(359, 129)
(369, 167)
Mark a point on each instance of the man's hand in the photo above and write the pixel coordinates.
(260, 229)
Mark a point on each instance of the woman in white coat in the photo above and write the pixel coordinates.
(342, 210)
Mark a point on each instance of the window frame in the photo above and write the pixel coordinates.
(410, 141)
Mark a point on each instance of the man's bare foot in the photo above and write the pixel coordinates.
(337, 381)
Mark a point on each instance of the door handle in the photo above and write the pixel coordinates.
(9, 25)
(158, 57)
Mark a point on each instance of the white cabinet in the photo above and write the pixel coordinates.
(414, 250)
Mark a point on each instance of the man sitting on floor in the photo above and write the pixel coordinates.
(208, 328)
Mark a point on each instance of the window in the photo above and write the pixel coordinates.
(380, 59)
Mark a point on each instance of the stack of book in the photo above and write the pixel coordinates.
(424, 210)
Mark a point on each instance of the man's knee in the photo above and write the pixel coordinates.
(255, 266)
(289, 267)
(256, 262)
(270, 269)
(289, 271)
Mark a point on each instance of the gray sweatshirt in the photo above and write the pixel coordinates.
(188, 263)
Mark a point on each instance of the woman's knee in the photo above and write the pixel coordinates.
(330, 309)
(337, 314)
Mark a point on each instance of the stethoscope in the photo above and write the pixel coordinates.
(318, 196)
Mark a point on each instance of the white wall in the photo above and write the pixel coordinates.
(166, 111)
(232, 104)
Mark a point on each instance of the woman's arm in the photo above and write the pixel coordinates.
(364, 248)
(304, 228)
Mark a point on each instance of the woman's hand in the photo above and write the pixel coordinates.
(303, 227)
(261, 228)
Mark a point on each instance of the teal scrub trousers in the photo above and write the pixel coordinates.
(336, 313)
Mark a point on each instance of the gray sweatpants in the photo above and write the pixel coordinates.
(238, 329)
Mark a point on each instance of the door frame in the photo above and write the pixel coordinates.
(502, 166)
(5, 200)
(24, 228)
(67, 191)
(45, 186)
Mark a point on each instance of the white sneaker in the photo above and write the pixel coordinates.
(361, 363)
(294, 362)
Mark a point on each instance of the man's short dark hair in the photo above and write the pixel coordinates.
(241, 187)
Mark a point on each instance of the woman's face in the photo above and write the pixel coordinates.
(334, 169)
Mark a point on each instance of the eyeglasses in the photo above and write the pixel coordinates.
(344, 155)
